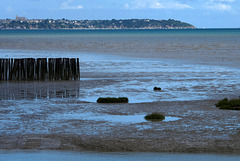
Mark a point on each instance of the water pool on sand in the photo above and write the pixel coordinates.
(125, 119)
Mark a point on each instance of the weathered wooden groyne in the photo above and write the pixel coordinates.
(39, 69)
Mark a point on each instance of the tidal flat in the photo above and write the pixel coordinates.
(194, 72)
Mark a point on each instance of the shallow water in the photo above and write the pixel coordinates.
(89, 156)
(125, 119)
(135, 79)
(118, 76)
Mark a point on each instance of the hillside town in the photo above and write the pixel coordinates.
(31, 24)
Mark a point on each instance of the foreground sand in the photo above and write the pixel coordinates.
(67, 124)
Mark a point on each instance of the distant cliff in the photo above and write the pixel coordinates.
(93, 24)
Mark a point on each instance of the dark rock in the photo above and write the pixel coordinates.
(157, 89)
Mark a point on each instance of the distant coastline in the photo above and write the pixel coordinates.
(22, 23)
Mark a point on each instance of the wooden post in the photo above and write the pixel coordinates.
(78, 69)
(41, 69)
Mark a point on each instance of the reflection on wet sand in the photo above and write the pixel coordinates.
(39, 90)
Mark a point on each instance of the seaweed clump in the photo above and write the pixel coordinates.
(226, 104)
(154, 117)
(112, 100)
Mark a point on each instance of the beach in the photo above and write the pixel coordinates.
(195, 69)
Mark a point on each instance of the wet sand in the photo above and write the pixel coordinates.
(60, 116)
(71, 124)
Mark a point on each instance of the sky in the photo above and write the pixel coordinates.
(200, 13)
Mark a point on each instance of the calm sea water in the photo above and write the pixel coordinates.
(124, 41)
(200, 44)
(124, 32)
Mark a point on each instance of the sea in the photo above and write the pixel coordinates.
(188, 64)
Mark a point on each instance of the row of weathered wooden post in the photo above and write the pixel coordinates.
(39, 69)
